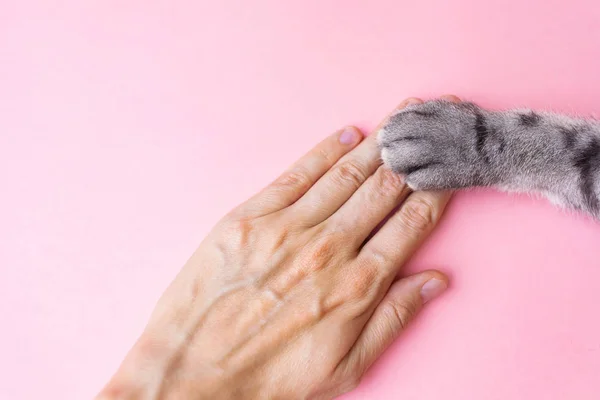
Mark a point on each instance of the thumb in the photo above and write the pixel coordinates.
(399, 306)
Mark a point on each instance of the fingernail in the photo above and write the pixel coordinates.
(349, 136)
(432, 289)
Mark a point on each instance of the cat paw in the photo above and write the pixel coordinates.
(434, 145)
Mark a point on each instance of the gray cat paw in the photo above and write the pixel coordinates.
(432, 145)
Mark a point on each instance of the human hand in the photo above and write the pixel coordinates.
(294, 293)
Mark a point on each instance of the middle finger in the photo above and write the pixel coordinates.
(371, 203)
(343, 180)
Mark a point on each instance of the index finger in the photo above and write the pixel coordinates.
(300, 176)
(340, 183)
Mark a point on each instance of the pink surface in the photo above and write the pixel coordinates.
(128, 127)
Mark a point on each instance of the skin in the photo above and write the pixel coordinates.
(294, 294)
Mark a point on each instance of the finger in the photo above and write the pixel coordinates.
(301, 176)
(371, 203)
(406, 229)
(451, 97)
(399, 306)
(349, 173)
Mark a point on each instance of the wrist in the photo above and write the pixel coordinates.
(148, 373)
(141, 374)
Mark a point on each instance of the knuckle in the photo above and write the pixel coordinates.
(321, 253)
(377, 254)
(388, 181)
(365, 280)
(237, 233)
(417, 215)
(325, 155)
(281, 236)
(350, 173)
(297, 179)
(400, 313)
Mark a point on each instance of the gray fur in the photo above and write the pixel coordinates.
(445, 145)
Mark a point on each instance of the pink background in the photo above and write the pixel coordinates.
(128, 127)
